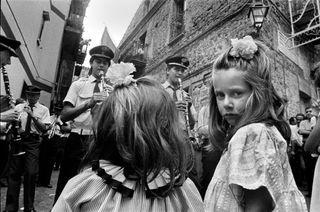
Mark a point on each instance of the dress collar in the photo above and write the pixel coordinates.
(114, 176)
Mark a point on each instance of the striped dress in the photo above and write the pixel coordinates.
(107, 189)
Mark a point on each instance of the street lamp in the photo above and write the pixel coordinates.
(257, 13)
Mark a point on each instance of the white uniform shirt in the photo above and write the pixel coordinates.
(170, 89)
(39, 111)
(80, 92)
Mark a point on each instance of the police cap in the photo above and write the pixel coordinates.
(102, 51)
(33, 90)
(178, 61)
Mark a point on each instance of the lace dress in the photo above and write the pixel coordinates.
(105, 188)
(256, 157)
(315, 197)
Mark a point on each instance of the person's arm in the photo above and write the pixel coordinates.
(9, 115)
(313, 142)
(258, 200)
(70, 112)
(3, 127)
(39, 124)
(36, 120)
(303, 131)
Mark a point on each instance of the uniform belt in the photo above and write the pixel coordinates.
(82, 131)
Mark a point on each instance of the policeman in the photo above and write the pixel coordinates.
(81, 99)
(35, 118)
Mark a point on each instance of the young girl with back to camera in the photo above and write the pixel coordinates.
(247, 122)
(138, 160)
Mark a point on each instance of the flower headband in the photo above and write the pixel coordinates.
(244, 48)
(120, 74)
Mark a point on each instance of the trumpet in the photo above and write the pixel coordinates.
(195, 143)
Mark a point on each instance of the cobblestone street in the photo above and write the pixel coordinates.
(43, 199)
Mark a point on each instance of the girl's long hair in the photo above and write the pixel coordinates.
(137, 128)
(264, 104)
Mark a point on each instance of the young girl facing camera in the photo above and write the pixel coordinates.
(246, 121)
(138, 160)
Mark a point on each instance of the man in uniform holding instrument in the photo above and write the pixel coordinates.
(175, 71)
(176, 67)
(7, 50)
(35, 119)
(7, 115)
(79, 102)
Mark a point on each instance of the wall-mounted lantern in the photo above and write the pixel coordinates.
(257, 13)
(45, 17)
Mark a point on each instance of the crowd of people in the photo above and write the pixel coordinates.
(138, 145)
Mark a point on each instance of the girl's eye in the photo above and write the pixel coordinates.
(236, 94)
(219, 95)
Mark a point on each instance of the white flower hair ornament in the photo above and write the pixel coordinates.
(120, 74)
(244, 48)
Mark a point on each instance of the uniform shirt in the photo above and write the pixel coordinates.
(307, 125)
(39, 111)
(170, 89)
(80, 92)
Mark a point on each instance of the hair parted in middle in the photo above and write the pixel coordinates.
(137, 128)
(264, 104)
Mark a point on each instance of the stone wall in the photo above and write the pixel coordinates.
(209, 25)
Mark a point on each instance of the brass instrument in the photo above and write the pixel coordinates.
(102, 77)
(52, 130)
(15, 125)
(195, 143)
(104, 84)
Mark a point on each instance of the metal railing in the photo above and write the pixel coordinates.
(310, 13)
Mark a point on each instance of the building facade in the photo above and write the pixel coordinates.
(201, 29)
(42, 27)
(73, 50)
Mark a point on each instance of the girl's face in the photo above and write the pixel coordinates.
(232, 93)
